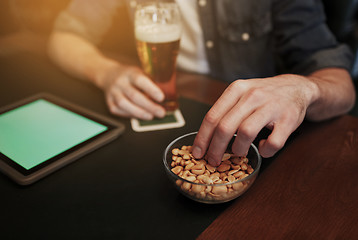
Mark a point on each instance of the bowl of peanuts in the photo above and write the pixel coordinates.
(201, 182)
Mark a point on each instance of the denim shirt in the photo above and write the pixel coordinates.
(243, 38)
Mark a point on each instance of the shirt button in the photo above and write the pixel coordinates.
(209, 44)
(245, 37)
(202, 3)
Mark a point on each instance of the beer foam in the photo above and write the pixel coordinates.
(158, 33)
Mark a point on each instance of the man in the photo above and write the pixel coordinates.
(295, 67)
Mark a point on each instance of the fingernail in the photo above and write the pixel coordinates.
(159, 97)
(213, 162)
(197, 152)
(160, 113)
(147, 116)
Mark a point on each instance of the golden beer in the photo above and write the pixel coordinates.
(158, 46)
(159, 62)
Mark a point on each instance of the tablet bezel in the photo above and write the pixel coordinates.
(24, 177)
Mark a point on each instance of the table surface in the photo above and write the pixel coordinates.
(309, 190)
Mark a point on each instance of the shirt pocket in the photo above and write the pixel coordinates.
(243, 21)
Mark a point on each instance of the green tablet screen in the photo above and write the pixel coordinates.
(34, 133)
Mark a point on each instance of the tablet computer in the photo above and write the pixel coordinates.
(43, 133)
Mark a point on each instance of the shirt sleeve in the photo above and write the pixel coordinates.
(90, 19)
(303, 40)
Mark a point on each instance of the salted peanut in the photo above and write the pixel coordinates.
(182, 152)
(228, 162)
(177, 169)
(250, 170)
(191, 178)
(172, 164)
(178, 160)
(202, 161)
(206, 173)
(226, 156)
(219, 190)
(223, 167)
(189, 166)
(231, 178)
(189, 173)
(187, 162)
(215, 175)
(217, 181)
(178, 182)
(223, 175)
(244, 166)
(199, 166)
(238, 186)
(184, 147)
(194, 161)
(245, 159)
(186, 156)
(238, 174)
(186, 186)
(208, 189)
(207, 180)
(237, 160)
(201, 195)
(185, 173)
(189, 148)
(231, 172)
(201, 177)
(174, 157)
(210, 168)
(198, 169)
(197, 188)
(182, 162)
(235, 167)
(214, 195)
(175, 151)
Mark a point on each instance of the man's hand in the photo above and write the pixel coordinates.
(246, 106)
(129, 93)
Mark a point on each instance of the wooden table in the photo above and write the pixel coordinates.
(310, 191)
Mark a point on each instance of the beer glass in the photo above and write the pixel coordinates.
(157, 31)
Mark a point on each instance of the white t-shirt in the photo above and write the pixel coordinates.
(192, 55)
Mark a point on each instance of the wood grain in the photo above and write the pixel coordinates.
(309, 192)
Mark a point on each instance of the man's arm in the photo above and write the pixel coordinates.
(129, 92)
(279, 103)
(336, 94)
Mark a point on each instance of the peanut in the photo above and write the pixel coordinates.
(210, 168)
(189, 166)
(177, 169)
(186, 186)
(219, 189)
(226, 156)
(223, 167)
(175, 151)
(199, 171)
(197, 188)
